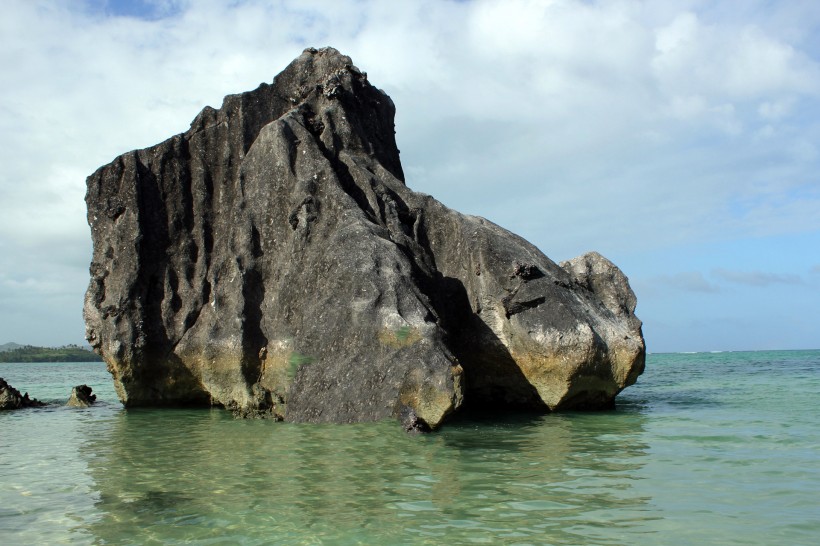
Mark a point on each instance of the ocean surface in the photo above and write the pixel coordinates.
(705, 449)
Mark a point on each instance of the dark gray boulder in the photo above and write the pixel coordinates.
(10, 398)
(271, 260)
(81, 397)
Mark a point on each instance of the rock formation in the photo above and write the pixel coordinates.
(81, 397)
(271, 260)
(10, 398)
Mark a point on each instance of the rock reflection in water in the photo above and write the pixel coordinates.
(174, 476)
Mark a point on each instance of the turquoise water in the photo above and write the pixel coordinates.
(705, 449)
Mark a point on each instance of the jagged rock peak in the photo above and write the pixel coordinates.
(315, 75)
(272, 261)
(81, 397)
(10, 398)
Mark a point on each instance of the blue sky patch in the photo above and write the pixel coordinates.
(149, 10)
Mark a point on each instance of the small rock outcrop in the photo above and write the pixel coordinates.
(81, 397)
(271, 260)
(10, 398)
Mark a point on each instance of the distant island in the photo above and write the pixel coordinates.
(13, 352)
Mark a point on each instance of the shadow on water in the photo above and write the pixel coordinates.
(172, 476)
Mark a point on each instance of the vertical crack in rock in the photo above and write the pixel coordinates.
(271, 260)
(340, 168)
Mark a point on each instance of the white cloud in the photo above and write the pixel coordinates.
(622, 126)
(777, 109)
(737, 63)
(757, 278)
(686, 281)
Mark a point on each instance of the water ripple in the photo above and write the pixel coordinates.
(705, 449)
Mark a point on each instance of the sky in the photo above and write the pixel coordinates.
(679, 138)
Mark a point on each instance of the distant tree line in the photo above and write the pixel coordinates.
(66, 353)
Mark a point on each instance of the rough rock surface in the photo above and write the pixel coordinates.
(10, 398)
(81, 397)
(271, 260)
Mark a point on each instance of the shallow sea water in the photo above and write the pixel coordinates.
(704, 449)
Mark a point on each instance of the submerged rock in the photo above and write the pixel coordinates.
(271, 260)
(81, 397)
(10, 398)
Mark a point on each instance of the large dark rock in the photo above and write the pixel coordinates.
(10, 398)
(271, 260)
